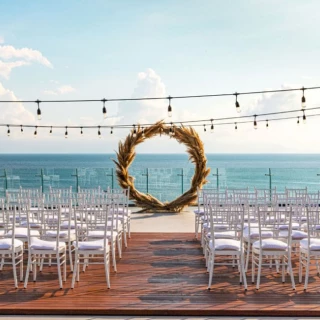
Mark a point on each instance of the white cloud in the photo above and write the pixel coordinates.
(50, 92)
(66, 89)
(60, 90)
(1, 39)
(9, 52)
(6, 67)
(149, 84)
(19, 57)
(13, 113)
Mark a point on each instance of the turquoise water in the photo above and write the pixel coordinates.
(165, 176)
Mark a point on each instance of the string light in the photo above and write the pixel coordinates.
(50, 130)
(134, 134)
(170, 131)
(35, 131)
(38, 110)
(267, 124)
(212, 127)
(66, 133)
(104, 109)
(303, 99)
(169, 108)
(235, 126)
(111, 131)
(304, 118)
(255, 125)
(21, 129)
(8, 131)
(99, 132)
(298, 121)
(237, 103)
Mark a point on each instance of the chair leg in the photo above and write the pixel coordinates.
(75, 269)
(259, 271)
(211, 267)
(59, 271)
(307, 272)
(13, 257)
(107, 269)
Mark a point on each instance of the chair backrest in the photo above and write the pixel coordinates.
(276, 221)
(228, 218)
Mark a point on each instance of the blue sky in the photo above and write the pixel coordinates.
(96, 49)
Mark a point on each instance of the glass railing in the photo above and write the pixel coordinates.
(164, 183)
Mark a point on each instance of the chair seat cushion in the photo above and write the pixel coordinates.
(314, 244)
(92, 245)
(39, 244)
(295, 226)
(6, 244)
(217, 227)
(100, 234)
(225, 244)
(198, 211)
(23, 233)
(222, 235)
(296, 234)
(32, 224)
(254, 233)
(62, 234)
(270, 244)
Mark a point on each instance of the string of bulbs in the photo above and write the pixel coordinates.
(134, 130)
(169, 98)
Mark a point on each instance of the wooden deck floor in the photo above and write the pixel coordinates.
(160, 274)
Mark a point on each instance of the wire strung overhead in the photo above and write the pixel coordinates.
(169, 98)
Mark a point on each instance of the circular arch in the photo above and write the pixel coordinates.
(195, 149)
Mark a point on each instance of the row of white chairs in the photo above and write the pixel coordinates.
(52, 228)
(262, 234)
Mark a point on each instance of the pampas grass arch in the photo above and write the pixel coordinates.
(126, 155)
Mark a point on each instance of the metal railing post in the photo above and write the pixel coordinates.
(147, 175)
(5, 179)
(77, 179)
(42, 182)
(182, 180)
(112, 178)
(270, 183)
(217, 175)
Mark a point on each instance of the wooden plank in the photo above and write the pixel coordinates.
(160, 274)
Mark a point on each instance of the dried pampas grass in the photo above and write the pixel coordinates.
(126, 155)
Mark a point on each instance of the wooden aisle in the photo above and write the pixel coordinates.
(160, 274)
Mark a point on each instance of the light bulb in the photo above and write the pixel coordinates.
(303, 100)
(50, 130)
(267, 124)
(304, 118)
(66, 133)
(35, 132)
(21, 129)
(104, 109)
(235, 126)
(169, 108)
(134, 134)
(255, 125)
(99, 132)
(298, 121)
(8, 132)
(111, 132)
(38, 110)
(204, 128)
(81, 132)
(237, 104)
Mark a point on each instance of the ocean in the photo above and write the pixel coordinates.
(165, 176)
